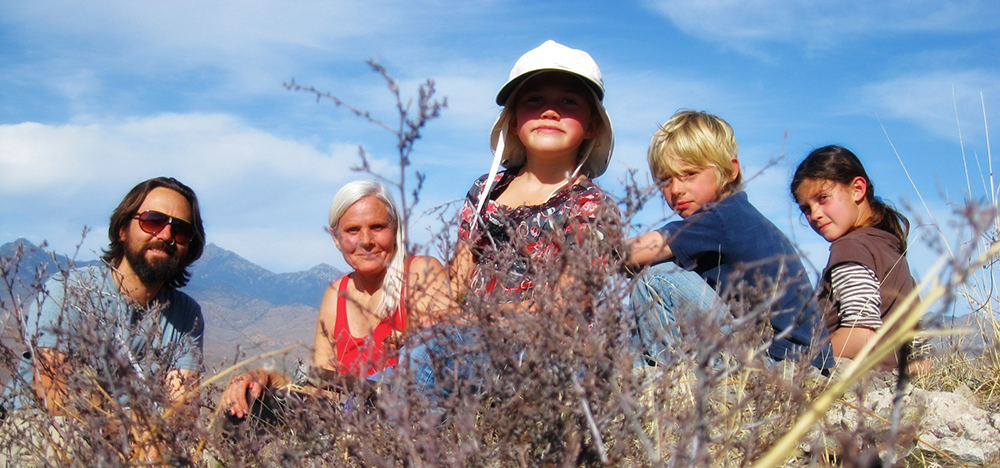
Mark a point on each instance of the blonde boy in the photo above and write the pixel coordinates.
(721, 249)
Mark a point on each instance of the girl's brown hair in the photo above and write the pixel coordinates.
(840, 165)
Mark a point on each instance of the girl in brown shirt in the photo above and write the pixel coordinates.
(867, 275)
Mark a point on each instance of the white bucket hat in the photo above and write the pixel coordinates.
(550, 56)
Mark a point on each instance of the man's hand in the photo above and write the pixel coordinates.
(179, 382)
(50, 380)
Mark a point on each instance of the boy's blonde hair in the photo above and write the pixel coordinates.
(695, 139)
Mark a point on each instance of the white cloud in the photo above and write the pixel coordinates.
(746, 25)
(927, 100)
(208, 28)
(208, 149)
(254, 44)
(250, 183)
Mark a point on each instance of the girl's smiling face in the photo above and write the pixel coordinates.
(833, 209)
(553, 114)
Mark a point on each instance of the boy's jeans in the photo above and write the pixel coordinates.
(664, 296)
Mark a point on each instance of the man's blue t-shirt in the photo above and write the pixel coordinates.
(167, 332)
(741, 254)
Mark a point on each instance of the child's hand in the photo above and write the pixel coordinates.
(648, 249)
(392, 343)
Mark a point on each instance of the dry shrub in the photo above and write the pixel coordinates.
(553, 386)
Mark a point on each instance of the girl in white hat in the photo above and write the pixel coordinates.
(542, 223)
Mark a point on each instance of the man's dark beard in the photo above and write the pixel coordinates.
(162, 271)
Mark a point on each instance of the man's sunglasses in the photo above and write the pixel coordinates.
(152, 222)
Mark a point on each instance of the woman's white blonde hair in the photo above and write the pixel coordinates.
(392, 283)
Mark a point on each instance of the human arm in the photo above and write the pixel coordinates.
(648, 249)
(460, 270)
(429, 297)
(179, 381)
(246, 388)
(48, 333)
(856, 289)
(695, 240)
(186, 369)
(243, 390)
(471, 227)
(848, 341)
(50, 380)
(856, 292)
(324, 351)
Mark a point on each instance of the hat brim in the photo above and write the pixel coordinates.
(512, 85)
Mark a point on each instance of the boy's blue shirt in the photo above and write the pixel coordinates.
(731, 242)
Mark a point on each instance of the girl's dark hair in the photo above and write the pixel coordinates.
(840, 165)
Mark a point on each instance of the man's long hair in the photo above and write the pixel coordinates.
(128, 208)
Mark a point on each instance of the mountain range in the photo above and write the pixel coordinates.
(248, 310)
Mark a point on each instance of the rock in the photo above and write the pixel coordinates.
(869, 405)
(965, 392)
(957, 427)
(950, 422)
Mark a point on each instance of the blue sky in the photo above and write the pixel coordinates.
(97, 96)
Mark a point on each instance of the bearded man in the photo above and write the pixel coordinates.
(126, 319)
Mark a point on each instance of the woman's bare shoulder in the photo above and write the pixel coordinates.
(329, 303)
(424, 263)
